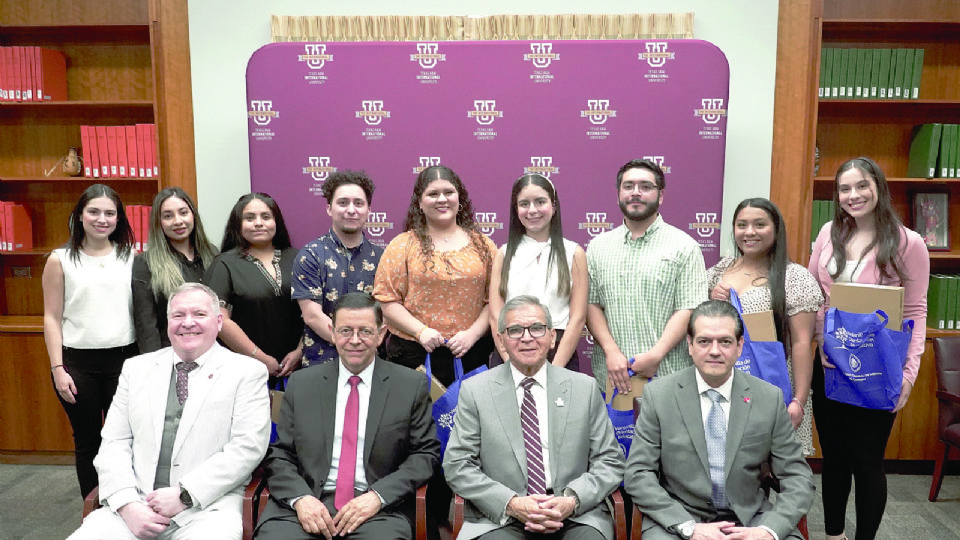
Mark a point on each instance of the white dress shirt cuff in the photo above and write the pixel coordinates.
(771, 531)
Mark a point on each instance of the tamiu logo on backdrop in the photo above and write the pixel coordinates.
(711, 111)
(656, 56)
(706, 228)
(318, 167)
(372, 114)
(262, 113)
(315, 56)
(596, 223)
(487, 222)
(541, 55)
(427, 56)
(598, 112)
(542, 165)
(426, 161)
(376, 225)
(485, 113)
(660, 163)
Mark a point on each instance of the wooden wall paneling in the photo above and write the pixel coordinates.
(174, 102)
(59, 12)
(23, 293)
(791, 170)
(30, 414)
(892, 9)
(918, 419)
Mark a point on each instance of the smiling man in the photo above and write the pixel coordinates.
(701, 438)
(187, 426)
(532, 449)
(355, 440)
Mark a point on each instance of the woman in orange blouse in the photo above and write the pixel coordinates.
(433, 279)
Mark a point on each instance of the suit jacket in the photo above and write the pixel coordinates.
(668, 473)
(400, 450)
(486, 462)
(222, 436)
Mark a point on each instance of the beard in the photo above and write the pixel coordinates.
(647, 210)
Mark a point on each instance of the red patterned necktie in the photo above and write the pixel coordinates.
(536, 481)
(347, 469)
(183, 368)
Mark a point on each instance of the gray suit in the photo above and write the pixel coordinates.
(485, 460)
(668, 473)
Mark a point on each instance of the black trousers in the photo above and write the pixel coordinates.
(411, 354)
(95, 373)
(853, 441)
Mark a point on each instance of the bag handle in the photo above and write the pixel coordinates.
(831, 320)
(457, 369)
(735, 300)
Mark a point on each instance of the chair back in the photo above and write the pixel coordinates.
(946, 351)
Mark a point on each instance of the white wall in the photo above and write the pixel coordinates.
(224, 33)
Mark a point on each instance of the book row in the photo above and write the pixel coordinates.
(934, 151)
(943, 302)
(119, 151)
(139, 217)
(870, 73)
(32, 74)
(16, 229)
(822, 213)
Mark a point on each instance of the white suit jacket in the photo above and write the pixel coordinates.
(222, 436)
(486, 463)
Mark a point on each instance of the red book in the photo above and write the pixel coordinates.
(17, 78)
(93, 153)
(114, 155)
(141, 151)
(28, 69)
(52, 75)
(19, 227)
(85, 150)
(121, 151)
(128, 210)
(145, 226)
(131, 137)
(3, 74)
(9, 79)
(102, 151)
(135, 225)
(3, 226)
(154, 150)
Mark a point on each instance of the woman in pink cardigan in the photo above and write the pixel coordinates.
(865, 243)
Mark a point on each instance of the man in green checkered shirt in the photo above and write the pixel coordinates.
(645, 279)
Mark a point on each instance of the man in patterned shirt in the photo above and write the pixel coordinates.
(341, 261)
(645, 278)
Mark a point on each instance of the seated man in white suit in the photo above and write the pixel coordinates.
(188, 425)
(532, 449)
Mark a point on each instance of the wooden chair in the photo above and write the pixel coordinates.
(615, 499)
(946, 351)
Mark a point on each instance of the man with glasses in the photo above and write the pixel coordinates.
(645, 278)
(355, 439)
(532, 449)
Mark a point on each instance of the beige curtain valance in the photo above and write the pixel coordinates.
(285, 28)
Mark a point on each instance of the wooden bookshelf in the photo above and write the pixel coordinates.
(127, 63)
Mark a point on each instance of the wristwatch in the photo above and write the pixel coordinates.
(185, 497)
(685, 529)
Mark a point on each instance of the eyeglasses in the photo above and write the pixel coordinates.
(347, 333)
(644, 187)
(537, 330)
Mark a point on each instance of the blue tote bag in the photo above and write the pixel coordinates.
(445, 408)
(869, 358)
(763, 359)
(623, 425)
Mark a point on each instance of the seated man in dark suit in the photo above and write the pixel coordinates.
(702, 435)
(355, 440)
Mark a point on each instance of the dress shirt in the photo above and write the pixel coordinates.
(343, 392)
(539, 392)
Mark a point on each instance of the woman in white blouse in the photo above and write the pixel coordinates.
(538, 261)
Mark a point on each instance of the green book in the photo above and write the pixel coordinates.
(896, 74)
(814, 219)
(954, 154)
(933, 301)
(951, 312)
(835, 71)
(824, 69)
(875, 74)
(943, 157)
(884, 75)
(851, 79)
(858, 75)
(944, 295)
(842, 73)
(906, 84)
(924, 148)
(917, 69)
(867, 73)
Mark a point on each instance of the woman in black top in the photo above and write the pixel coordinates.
(178, 251)
(252, 277)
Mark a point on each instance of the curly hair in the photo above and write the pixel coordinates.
(345, 177)
(416, 222)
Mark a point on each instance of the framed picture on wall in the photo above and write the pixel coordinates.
(931, 219)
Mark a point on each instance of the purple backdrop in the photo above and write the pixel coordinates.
(574, 111)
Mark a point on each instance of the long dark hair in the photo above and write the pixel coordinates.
(160, 255)
(233, 232)
(777, 260)
(417, 222)
(886, 224)
(558, 254)
(121, 237)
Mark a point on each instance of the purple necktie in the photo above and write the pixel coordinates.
(347, 469)
(183, 368)
(536, 481)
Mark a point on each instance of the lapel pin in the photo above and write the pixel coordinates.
(746, 400)
(559, 402)
(210, 376)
